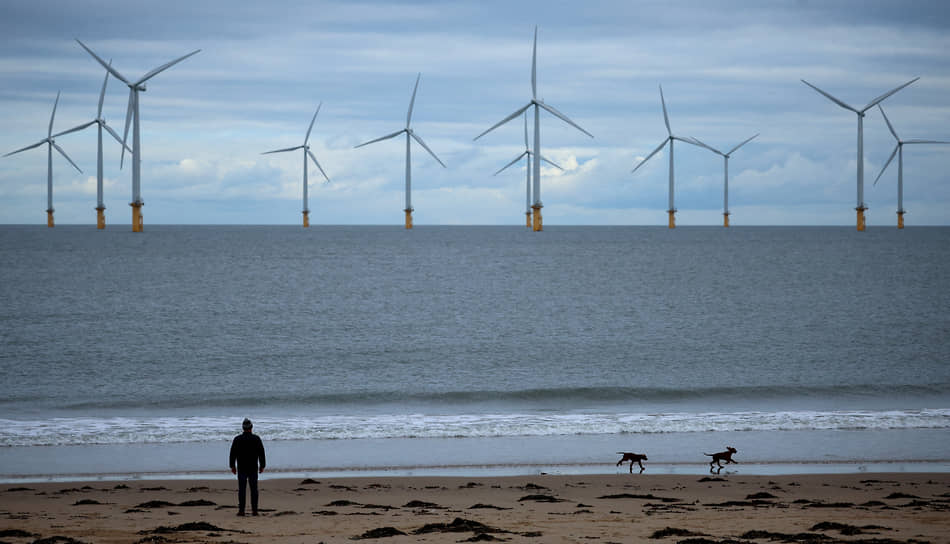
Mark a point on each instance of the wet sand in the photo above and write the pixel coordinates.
(667, 509)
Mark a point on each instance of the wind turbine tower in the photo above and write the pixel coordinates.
(725, 177)
(132, 114)
(861, 205)
(51, 143)
(101, 122)
(899, 150)
(538, 105)
(671, 211)
(527, 153)
(409, 134)
(306, 153)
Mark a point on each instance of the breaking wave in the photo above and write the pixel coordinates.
(175, 429)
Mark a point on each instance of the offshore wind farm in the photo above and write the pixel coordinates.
(591, 182)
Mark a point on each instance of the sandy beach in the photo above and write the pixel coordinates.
(870, 508)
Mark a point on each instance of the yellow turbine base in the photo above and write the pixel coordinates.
(100, 218)
(538, 223)
(137, 224)
(900, 220)
(725, 219)
(862, 224)
(306, 219)
(672, 214)
(49, 219)
(408, 218)
(527, 219)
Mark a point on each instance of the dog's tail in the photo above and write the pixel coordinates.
(621, 452)
(709, 454)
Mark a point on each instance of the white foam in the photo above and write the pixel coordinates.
(174, 429)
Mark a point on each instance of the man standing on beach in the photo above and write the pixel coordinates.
(247, 450)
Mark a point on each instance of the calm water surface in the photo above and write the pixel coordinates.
(494, 341)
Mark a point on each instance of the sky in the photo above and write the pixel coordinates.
(729, 69)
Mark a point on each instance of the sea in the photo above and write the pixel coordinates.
(472, 350)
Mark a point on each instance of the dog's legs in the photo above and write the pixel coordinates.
(642, 468)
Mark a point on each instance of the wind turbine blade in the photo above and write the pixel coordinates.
(690, 141)
(128, 119)
(412, 101)
(282, 150)
(107, 66)
(52, 116)
(503, 168)
(552, 163)
(916, 141)
(37, 144)
(666, 118)
(885, 95)
(423, 144)
(503, 121)
(563, 117)
(102, 93)
(733, 150)
(886, 164)
(655, 151)
(116, 136)
(74, 129)
(386, 137)
(164, 67)
(314, 159)
(63, 153)
(829, 97)
(888, 121)
(307, 138)
(526, 130)
(697, 141)
(534, 66)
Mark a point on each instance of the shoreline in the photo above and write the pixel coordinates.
(787, 452)
(808, 468)
(892, 507)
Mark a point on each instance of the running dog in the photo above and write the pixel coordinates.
(637, 458)
(717, 458)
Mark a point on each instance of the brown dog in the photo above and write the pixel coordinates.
(637, 458)
(726, 456)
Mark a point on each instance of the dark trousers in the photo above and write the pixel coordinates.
(245, 478)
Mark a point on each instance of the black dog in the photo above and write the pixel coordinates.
(637, 458)
(717, 458)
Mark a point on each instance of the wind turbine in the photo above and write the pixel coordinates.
(725, 160)
(899, 150)
(306, 153)
(668, 140)
(409, 134)
(132, 114)
(860, 207)
(101, 122)
(527, 153)
(538, 105)
(51, 143)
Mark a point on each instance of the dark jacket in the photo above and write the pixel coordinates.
(247, 449)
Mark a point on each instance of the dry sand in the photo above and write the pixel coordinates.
(666, 509)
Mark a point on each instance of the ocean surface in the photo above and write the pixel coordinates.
(472, 350)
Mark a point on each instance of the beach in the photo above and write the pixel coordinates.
(866, 507)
